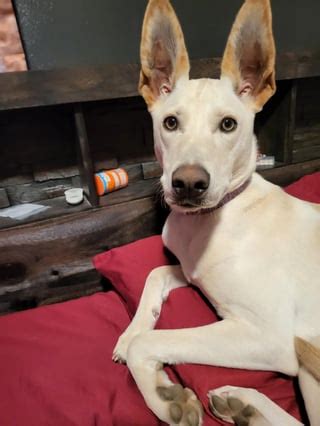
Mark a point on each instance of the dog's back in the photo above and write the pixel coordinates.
(309, 356)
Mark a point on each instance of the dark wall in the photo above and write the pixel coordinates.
(63, 33)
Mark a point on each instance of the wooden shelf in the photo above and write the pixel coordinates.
(287, 174)
(44, 88)
(53, 259)
(96, 114)
(58, 207)
(134, 191)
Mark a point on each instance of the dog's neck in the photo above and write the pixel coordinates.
(228, 197)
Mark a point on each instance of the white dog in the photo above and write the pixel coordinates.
(252, 250)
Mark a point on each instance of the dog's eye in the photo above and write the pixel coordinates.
(171, 123)
(228, 124)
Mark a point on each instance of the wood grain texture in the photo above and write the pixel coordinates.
(289, 173)
(134, 191)
(306, 143)
(37, 88)
(152, 169)
(86, 165)
(4, 201)
(52, 171)
(57, 207)
(37, 191)
(51, 260)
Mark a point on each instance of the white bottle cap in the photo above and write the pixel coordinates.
(74, 196)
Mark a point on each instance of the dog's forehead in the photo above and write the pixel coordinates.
(205, 91)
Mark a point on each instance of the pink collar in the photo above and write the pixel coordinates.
(228, 197)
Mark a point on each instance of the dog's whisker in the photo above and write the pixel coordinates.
(159, 194)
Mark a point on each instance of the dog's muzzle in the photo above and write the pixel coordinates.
(189, 185)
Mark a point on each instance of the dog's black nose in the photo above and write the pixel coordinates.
(190, 182)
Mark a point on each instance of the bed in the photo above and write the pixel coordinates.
(55, 361)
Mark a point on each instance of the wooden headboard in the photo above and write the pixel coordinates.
(58, 127)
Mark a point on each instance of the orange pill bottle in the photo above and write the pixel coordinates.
(110, 180)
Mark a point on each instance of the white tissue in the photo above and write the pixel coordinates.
(22, 211)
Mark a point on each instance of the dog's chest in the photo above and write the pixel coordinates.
(207, 252)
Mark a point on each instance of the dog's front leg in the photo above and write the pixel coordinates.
(229, 343)
(157, 288)
(244, 406)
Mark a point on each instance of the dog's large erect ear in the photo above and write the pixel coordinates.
(249, 57)
(164, 58)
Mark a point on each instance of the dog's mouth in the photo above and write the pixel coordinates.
(204, 204)
(188, 206)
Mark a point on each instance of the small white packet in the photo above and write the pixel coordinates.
(22, 211)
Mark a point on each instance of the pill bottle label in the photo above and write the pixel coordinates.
(111, 180)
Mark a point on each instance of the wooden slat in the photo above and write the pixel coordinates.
(152, 169)
(205, 68)
(38, 88)
(307, 153)
(135, 191)
(287, 174)
(86, 164)
(4, 201)
(306, 143)
(57, 207)
(51, 260)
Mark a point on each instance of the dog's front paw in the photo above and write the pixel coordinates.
(231, 405)
(120, 350)
(183, 406)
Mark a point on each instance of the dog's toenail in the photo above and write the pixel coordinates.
(249, 411)
(175, 412)
(192, 418)
(235, 404)
(164, 393)
(219, 404)
(240, 420)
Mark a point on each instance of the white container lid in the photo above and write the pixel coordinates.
(74, 196)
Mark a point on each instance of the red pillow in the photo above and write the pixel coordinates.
(306, 188)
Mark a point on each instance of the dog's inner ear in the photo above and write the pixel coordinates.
(249, 58)
(164, 58)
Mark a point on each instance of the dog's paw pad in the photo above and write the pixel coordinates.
(176, 412)
(231, 409)
(170, 393)
(184, 407)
